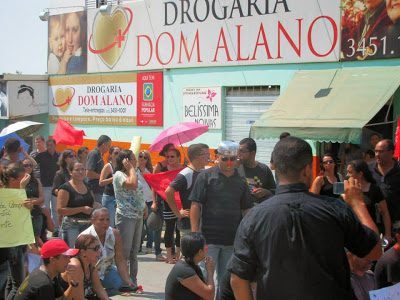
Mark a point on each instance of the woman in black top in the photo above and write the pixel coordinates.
(323, 184)
(75, 202)
(359, 170)
(186, 281)
(63, 175)
(86, 280)
(34, 191)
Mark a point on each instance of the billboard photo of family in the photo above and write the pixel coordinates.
(370, 29)
(67, 43)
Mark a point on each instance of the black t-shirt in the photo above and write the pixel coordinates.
(372, 197)
(61, 177)
(387, 269)
(95, 162)
(293, 245)
(39, 286)
(259, 177)
(223, 199)
(32, 191)
(183, 183)
(48, 167)
(78, 200)
(174, 290)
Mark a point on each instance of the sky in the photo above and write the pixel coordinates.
(23, 45)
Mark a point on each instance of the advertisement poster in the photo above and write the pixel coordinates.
(67, 40)
(203, 105)
(27, 98)
(153, 34)
(150, 99)
(370, 29)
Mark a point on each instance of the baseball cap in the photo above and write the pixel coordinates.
(228, 148)
(56, 247)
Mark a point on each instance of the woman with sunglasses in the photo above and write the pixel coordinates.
(86, 281)
(186, 281)
(106, 179)
(323, 184)
(62, 175)
(358, 169)
(75, 202)
(173, 162)
(131, 209)
(34, 192)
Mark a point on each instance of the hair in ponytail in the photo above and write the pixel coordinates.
(10, 171)
(191, 244)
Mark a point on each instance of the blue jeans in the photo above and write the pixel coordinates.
(112, 281)
(221, 255)
(71, 228)
(153, 236)
(109, 202)
(131, 231)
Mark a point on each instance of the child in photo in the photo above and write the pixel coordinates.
(58, 58)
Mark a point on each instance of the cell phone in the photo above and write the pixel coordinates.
(338, 188)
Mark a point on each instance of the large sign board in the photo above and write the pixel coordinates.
(158, 34)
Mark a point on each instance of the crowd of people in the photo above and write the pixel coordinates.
(233, 222)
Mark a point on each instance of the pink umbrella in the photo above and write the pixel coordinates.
(178, 134)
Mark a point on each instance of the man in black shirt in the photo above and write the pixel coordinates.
(184, 182)
(48, 165)
(95, 164)
(293, 244)
(222, 197)
(42, 283)
(386, 172)
(259, 177)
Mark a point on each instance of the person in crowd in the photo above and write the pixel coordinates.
(40, 144)
(75, 36)
(173, 162)
(358, 169)
(369, 154)
(63, 175)
(386, 173)
(259, 177)
(34, 192)
(12, 259)
(12, 150)
(75, 203)
(112, 268)
(145, 167)
(186, 281)
(131, 208)
(387, 269)
(106, 180)
(184, 182)
(43, 283)
(163, 153)
(351, 152)
(362, 278)
(295, 237)
(48, 165)
(86, 280)
(220, 196)
(95, 164)
(323, 184)
(83, 153)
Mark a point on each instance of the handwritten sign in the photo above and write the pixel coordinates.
(15, 219)
(388, 293)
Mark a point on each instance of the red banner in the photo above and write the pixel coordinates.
(150, 99)
(397, 141)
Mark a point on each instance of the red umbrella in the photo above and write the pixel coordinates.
(178, 134)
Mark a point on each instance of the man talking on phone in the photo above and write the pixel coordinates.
(293, 244)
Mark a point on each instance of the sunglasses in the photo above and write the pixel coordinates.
(171, 156)
(28, 166)
(331, 161)
(72, 156)
(116, 153)
(231, 158)
(142, 156)
(95, 248)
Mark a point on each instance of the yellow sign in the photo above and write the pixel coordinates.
(15, 219)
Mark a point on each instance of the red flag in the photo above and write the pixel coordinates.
(66, 134)
(397, 141)
(160, 181)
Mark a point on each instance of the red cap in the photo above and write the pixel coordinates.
(56, 247)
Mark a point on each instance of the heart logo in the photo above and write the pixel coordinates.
(110, 35)
(63, 97)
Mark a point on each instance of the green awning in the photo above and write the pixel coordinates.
(328, 105)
